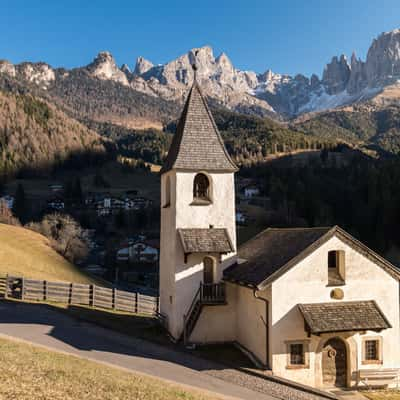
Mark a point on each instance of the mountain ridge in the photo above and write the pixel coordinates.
(280, 96)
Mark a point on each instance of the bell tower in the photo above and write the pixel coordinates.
(198, 229)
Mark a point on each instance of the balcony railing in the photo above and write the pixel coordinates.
(213, 293)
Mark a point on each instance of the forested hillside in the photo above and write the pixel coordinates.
(361, 195)
(359, 124)
(35, 136)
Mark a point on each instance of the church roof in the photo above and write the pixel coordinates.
(343, 316)
(199, 240)
(272, 252)
(197, 144)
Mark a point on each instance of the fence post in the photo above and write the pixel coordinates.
(91, 295)
(136, 303)
(6, 288)
(114, 298)
(158, 305)
(71, 288)
(22, 288)
(44, 290)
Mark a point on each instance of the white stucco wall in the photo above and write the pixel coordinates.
(307, 283)
(179, 281)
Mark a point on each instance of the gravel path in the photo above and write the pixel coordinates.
(40, 324)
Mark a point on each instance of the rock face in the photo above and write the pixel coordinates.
(104, 67)
(336, 75)
(268, 93)
(142, 66)
(7, 68)
(383, 58)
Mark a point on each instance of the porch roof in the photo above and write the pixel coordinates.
(344, 316)
(211, 240)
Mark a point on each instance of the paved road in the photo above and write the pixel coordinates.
(42, 325)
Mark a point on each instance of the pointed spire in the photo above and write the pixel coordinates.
(197, 144)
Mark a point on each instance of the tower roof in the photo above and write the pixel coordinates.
(197, 144)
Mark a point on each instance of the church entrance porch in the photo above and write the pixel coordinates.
(334, 363)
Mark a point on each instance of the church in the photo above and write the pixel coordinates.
(312, 305)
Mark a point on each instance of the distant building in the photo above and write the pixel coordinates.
(8, 201)
(251, 191)
(56, 204)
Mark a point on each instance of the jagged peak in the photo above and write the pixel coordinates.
(142, 65)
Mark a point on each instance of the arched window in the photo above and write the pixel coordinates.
(208, 271)
(167, 200)
(201, 188)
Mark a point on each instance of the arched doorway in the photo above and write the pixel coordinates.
(334, 363)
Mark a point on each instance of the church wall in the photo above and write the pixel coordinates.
(251, 321)
(307, 283)
(217, 324)
(168, 244)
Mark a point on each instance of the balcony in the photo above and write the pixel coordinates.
(213, 293)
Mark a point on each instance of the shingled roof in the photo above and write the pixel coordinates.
(343, 316)
(272, 252)
(212, 240)
(197, 144)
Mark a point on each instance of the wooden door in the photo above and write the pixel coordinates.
(334, 363)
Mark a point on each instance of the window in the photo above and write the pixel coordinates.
(297, 354)
(201, 189)
(372, 350)
(336, 267)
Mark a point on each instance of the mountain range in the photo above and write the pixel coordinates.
(277, 95)
(353, 101)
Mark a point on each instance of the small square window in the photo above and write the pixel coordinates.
(296, 354)
(371, 350)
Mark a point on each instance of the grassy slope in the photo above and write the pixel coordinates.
(26, 253)
(30, 372)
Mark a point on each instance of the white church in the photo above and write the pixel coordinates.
(313, 305)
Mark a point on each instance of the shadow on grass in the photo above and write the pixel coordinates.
(68, 324)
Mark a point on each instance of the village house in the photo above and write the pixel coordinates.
(313, 305)
(105, 204)
(8, 201)
(251, 191)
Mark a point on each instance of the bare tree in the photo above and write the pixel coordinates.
(6, 215)
(65, 234)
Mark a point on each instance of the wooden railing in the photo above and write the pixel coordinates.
(212, 293)
(80, 294)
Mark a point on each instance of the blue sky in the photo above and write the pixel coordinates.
(286, 36)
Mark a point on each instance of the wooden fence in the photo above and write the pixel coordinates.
(80, 294)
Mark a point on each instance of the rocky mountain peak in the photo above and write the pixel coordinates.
(7, 68)
(104, 67)
(336, 75)
(142, 66)
(383, 58)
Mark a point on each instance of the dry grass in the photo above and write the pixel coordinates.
(28, 254)
(382, 395)
(30, 372)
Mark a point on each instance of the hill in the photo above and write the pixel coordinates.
(26, 253)
(35, 135)
(367, 124)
